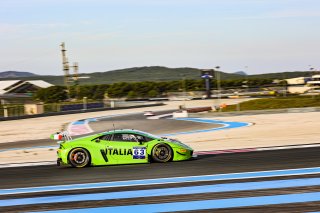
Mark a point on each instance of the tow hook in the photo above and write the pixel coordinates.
(58, 162)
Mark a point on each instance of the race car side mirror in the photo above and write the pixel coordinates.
(97, 140)
(141, 141)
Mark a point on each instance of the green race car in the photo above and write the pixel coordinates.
(119, 147)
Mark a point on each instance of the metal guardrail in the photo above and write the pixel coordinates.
(70, 107)
(138, 105)
(8, 111)
(19, 110)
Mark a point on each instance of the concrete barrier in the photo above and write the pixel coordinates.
(198, 109)
(180, 114)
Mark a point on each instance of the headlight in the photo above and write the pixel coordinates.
(182, 150)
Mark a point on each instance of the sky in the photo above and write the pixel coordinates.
(255, 36)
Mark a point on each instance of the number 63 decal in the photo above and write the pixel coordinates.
(139, 152)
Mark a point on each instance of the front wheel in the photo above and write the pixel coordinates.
(79, 157)
(161, 153)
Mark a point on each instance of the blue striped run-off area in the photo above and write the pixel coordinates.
(230, 187)
(225, 125)
(206, 204)
(181, 206)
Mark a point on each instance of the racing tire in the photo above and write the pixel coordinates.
(162, 153)
(79, 158)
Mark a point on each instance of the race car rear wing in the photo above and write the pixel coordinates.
(61, 136)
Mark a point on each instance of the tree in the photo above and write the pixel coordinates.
(119, 90)
(153, 93)
(99, 92)
(51, 94)
(132, 94)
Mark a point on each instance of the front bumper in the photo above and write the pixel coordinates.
(182, 154)
(62, 157)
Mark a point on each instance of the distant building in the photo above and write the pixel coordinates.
(314, 81)
(303, 84)
(310, 81)
(296, 81)
(17, 91)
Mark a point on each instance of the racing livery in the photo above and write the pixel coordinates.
(119, 147)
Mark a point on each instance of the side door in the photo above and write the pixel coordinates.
(128, 148)
(107, 144)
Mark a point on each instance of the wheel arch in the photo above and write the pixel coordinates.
(168, 144)
(79, 147)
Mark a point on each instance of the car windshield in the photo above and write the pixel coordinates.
(139, 132)
(149, 135)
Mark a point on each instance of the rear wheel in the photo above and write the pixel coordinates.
(79, 157)
(161, 153)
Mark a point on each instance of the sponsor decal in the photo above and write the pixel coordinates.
(136, 152)
(112, 151)
(139, 153)
(104, 155)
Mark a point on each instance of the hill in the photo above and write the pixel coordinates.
(283, 75)
(136, 74)
(15, 74)
(240, 73)
(155, 73)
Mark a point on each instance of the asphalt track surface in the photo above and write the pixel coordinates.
(137, 121)
(203, 165)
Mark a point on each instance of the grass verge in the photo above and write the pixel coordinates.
(276, 103)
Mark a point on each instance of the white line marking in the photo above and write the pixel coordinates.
(158, 116)
(288, 147)
(43, 163)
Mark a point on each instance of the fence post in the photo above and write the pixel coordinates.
(5, 111)
(112, 104)
(85, 103)
(238, 107)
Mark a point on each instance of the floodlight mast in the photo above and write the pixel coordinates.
(66, 67)
(76, 78)
(69, 78)
(207, 75)
(75, 72)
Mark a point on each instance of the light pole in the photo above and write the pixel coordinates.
(311, 70)
(218, 78)
(184, 90)
(246, 83)
(285, 87)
